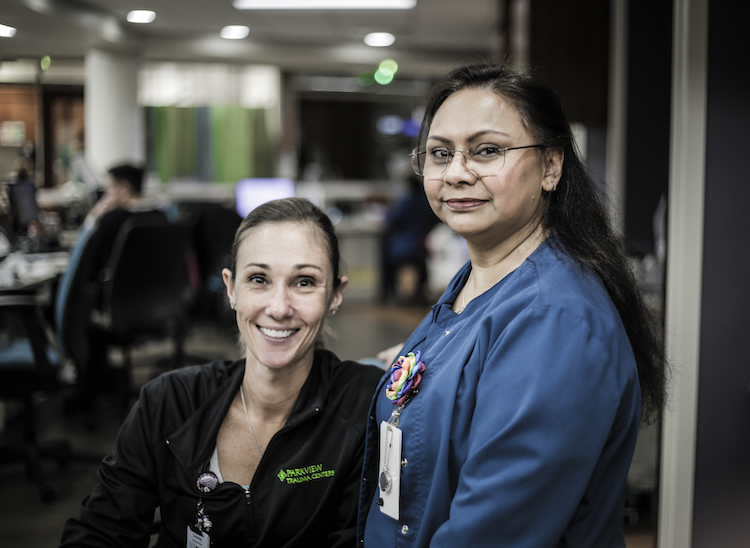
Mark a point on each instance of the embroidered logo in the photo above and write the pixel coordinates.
(313, 472)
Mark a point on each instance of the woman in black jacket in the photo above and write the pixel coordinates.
(265, 451)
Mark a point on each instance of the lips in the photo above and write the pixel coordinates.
(464, 203)
(277, 333)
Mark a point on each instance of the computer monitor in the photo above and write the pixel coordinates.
(23, 205)
(250, 193)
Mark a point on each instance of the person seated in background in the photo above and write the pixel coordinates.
(407, 224)
(25, 227)
(120, 201)
(90, 260)
(122, 194)
(264, 451)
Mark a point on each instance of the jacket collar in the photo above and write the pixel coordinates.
(194, 441)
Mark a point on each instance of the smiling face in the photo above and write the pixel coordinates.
(486, 204)
(282, 290)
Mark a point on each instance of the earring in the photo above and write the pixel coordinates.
(231, 305)
(554, 186)
(333, 312)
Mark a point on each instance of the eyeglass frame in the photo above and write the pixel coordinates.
(452, 154)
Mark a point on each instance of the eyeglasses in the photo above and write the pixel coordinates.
(435, 160)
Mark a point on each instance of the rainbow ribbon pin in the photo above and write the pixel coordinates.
(405, 376)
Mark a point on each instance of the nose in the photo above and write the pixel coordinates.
(279, 305)
(457, 170)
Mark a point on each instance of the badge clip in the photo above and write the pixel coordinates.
(389, 478)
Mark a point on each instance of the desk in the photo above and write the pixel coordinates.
(20, 271)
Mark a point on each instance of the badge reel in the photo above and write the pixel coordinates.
(197, 535)
(389, 478)
(404, 379)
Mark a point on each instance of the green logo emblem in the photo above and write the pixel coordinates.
(304, 474)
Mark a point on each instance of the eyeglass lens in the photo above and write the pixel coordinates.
(423, 162)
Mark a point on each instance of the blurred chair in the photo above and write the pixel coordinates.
(147, 290)
(213, 229)
(72, 307)
(77, 296)
(81, 341)
(29, 367)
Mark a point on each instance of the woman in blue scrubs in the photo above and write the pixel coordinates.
(511, 416)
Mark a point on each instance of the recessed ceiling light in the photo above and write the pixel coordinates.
(379, 39)
(6, 31)
(141, 16)
(235, 32)
(324, 4)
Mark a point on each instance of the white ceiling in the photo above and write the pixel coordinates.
(433, 36)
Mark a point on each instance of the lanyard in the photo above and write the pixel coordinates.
(403, 382)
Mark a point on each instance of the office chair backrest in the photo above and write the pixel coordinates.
(68, 297)
(23, 205)
(148, 287)
(213, 235)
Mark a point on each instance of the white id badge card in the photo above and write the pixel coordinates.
(389, 469)
(197, 540)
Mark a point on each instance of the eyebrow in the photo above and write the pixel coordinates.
(473, 137)
(302, 266)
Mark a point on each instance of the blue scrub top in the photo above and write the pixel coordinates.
(526, 419)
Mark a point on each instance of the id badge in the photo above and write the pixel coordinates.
(389, 469)
(197, 540)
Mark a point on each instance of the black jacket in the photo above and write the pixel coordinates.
(304, 492)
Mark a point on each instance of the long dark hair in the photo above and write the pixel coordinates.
(574, 214)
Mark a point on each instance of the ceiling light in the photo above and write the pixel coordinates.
(141, 16)
(379, 39)
(324, 4)
(6, 31)
(235, 32)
